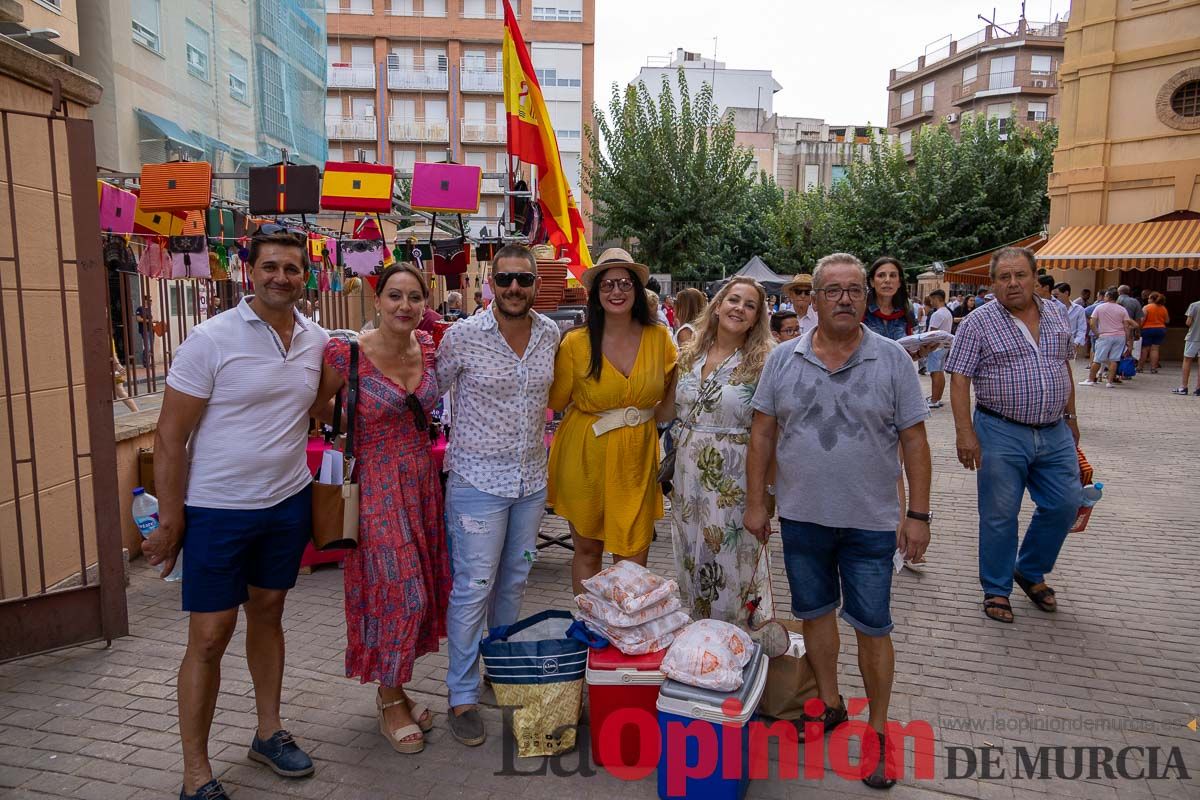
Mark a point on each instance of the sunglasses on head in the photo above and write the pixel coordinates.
(419, 418)
(523, 279)
(271, 228)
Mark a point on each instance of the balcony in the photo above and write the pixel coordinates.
(404, 8)
(415, 76)
(474, 132)
(358, 129)
(1005, 83)
(482, 75)
(418, 130)
(910, 111)
(334, 7)
(350, 76)
(494, 13)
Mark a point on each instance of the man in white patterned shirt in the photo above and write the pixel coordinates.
(497, 366)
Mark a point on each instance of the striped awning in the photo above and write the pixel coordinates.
(1135, 245)
(977, 270)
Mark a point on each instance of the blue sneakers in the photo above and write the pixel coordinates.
(282, 755)
(213, 790)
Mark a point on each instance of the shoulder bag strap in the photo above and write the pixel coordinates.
(705, 386)
(351, 403)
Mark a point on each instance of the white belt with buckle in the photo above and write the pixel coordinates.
(615, 418)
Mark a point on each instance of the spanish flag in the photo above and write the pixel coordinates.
(531, 138)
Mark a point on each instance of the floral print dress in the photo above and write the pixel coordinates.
(397, 581)
(721, 566)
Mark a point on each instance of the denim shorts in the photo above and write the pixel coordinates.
(824, 564)
(227, 550)
(936, 362)
(1108, 348)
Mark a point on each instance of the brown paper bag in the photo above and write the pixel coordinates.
(335, 516)
(790, 681)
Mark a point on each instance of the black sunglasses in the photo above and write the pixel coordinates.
(523, 279)
(270, 228)
(419, 418)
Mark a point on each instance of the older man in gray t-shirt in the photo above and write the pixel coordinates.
(831, 408)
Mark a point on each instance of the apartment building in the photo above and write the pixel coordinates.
(232, 83)
(1002, 70)
(422, 80)
(48, 26)
(811, 153)
(801, 153)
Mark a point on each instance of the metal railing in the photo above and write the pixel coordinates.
(350, 76)
(355, 128)
(1021, 80)
(484, 132)
(418, 130)
(417, 76)
(146, 339)
(404, 8)
(492, 185)
(482, 75)
(998, 31)
(913, 108)
(496, 12)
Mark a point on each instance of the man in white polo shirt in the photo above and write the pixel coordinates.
(234, 493)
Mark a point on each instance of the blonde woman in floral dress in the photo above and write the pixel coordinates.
(723, 570)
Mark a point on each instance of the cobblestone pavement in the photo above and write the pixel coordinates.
(1116, 667)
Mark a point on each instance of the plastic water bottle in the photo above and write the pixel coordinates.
(145, 516)
(1091, 495)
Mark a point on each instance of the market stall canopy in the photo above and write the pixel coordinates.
(166, 129)
(757, 269)
(977, 269)
(1136, 245)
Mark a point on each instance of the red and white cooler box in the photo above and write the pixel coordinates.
(616, 682)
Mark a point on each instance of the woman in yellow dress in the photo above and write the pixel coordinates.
(610, 376)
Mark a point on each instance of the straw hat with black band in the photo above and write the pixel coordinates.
(614, 257)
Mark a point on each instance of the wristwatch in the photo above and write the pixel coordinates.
(1070, 416)
(917, 515)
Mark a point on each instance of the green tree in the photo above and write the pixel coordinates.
(670, 179)
(957, 197)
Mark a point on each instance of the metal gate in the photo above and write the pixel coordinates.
(61, 569)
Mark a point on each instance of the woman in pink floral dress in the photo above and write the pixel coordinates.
(397, 581)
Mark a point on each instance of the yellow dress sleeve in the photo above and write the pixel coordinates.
(564, 373)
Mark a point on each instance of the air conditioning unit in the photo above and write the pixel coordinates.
(1039, 83)
(951, 118)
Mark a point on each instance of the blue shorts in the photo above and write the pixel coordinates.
(823, 564)
(1153, 336)
(936, 361)
(228, 550)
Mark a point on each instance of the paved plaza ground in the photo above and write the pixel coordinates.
(1118, 666)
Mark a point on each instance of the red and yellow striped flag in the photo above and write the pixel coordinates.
(531, 138)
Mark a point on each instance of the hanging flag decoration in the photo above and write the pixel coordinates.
(531, 138)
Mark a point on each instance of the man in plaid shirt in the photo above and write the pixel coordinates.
(1016, 352)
